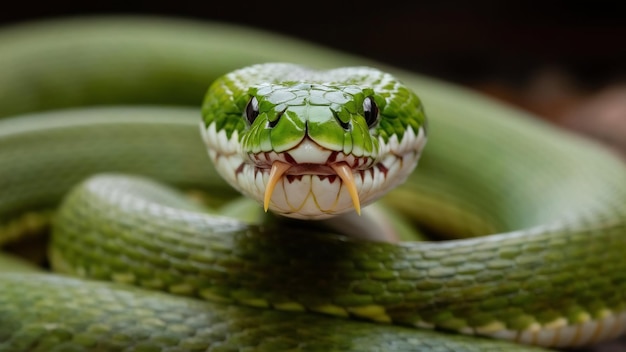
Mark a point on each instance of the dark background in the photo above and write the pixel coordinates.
(468, 42)
(565, 61)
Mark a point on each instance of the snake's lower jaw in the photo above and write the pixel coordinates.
(337, 190)
(342, 170)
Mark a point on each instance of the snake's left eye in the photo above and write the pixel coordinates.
(370, 111)
(252, 110)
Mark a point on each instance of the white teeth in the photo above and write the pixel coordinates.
(234, 163)
(393, 167)
(225, 164)
(365, 182)
(326, 194)
(260, 180)
(421, 139)
(228, 146)
(407, 138)
(310, 197)
(218, 140)
(222, 140)
(379, 178)
(411, 141)
(350, 159)
(208, 135)
(391, 144)
(296, 193)
(242, 177)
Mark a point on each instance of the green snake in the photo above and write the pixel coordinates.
(533, 218)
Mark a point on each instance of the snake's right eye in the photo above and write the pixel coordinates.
(252, 110)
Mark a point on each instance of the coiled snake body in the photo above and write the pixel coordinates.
(537, 215)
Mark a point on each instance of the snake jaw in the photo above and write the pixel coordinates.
(342, 169)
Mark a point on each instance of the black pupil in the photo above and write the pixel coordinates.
(252, 110)
(370, 111)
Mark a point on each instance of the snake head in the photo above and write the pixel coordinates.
(312, 144)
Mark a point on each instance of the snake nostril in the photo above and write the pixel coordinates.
(273, 123)
(345, 125)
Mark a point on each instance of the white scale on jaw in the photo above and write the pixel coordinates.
(309, 181)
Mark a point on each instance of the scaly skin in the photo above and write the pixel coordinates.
(115, 317)
(550, 271)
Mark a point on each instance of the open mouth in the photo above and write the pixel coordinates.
(309, 181)
(280, 169)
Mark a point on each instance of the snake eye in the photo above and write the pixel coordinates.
(370, 111)
(252, 110)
